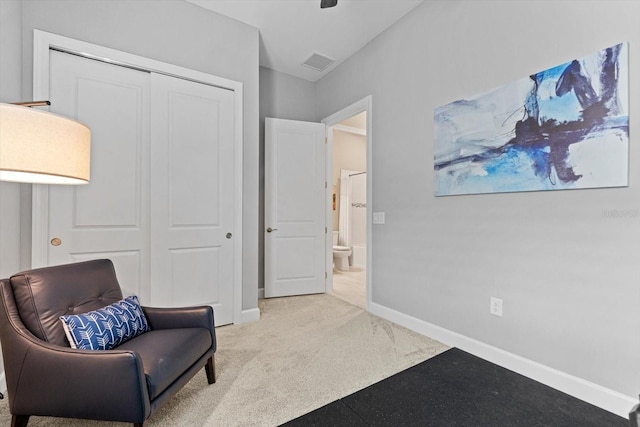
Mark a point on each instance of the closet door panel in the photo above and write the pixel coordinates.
(160, 203)
(109, 217)
(195, 269)
(192, 195)
(194, 158)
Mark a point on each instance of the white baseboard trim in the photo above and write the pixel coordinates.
(250, 315)
(592, 393)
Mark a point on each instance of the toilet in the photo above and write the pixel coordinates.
(340, 254)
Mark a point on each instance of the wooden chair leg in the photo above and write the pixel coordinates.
(210, 368)
(19, 420)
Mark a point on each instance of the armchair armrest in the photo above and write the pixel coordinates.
(182, 317)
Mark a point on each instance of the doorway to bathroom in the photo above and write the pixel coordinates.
(349, 218)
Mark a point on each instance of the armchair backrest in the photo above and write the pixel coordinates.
(43, 295)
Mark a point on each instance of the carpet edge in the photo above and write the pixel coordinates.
(595, 394)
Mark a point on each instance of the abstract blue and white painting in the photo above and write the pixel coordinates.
(563, 128)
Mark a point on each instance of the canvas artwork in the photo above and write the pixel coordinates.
(563, 128)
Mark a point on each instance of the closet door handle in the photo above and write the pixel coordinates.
(269, 230)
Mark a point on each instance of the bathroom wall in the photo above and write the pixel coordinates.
(349, 152)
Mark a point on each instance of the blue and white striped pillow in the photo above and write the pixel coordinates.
(107, 327)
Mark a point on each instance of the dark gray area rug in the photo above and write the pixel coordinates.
(456, 388)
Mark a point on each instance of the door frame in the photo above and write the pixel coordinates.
(363, 105)
(43, 43)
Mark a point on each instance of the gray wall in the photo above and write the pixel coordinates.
(10, 91)
(567, 272)
(282, 96)
(173, 31)
(10, 87)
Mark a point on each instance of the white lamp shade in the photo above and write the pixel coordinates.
(43, 148)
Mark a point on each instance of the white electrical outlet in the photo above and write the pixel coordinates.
(495, 306)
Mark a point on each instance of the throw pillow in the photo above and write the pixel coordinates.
(107, 327)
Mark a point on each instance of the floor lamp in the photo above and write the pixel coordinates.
(41, 147)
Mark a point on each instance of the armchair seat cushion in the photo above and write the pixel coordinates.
(167, 353)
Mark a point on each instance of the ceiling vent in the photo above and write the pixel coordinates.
(318, 62)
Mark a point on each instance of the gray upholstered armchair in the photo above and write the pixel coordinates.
(46, 377)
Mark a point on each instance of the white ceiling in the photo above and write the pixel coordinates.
(292, 30)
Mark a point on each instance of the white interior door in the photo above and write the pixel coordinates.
(192, 201)
(295, 233)
(109, 217)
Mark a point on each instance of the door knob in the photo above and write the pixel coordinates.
(56, 241)
(269, 230)
(229, 235)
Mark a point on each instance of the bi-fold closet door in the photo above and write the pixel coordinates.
(160, 201)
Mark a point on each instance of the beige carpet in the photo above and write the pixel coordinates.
(304, 352)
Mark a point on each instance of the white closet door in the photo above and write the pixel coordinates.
(192, 195)
(160, 202)
(109, 217)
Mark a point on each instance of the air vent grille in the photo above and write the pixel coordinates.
(318, 62)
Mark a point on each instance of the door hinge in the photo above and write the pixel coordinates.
(325, 140)
(325, 230)
(326, 276)
(326, 184)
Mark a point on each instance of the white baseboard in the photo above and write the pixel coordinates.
(592, 393)
(250, 315)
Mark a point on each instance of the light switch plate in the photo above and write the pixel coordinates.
(378, 217)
